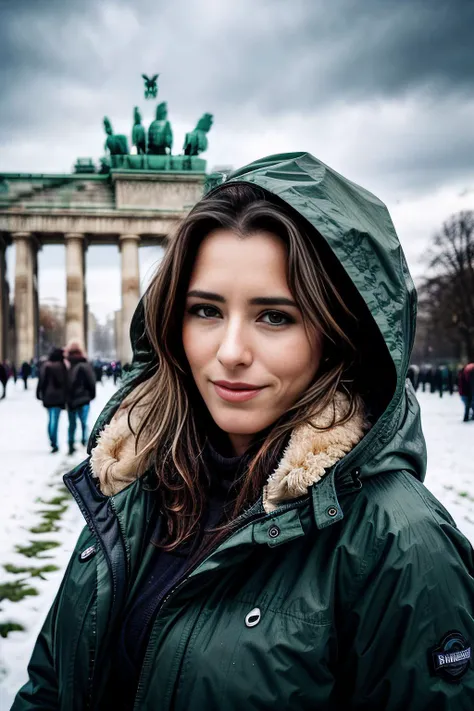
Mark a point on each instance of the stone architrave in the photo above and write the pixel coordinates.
(129, 245)
(75, 288)
(26, 296)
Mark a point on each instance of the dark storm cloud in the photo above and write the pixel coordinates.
(267, 53)
(355, 50)
(66, 64)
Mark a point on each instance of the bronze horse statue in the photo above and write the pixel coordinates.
(138, 133)
(195, 141)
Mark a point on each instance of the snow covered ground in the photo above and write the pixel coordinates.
(39, 523)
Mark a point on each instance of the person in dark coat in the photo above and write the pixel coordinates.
(4, 375)
(25, 373)
(466, 390)
(98, 371)
(117, 370)
(413, 375)
(81, 390)
(52, 391)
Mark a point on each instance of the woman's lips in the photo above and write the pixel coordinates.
(236, 394)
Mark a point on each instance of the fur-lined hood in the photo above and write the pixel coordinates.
(311, 451)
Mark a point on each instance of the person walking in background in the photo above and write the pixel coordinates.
(413, 375)
(81, 390)
(52, 390)
(117, 371)
(4, 375)
(466, 389)
(25, 373)
(98, 372)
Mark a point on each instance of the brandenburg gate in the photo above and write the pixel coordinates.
(134, 198)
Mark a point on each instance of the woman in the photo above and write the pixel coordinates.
(258, 533)
(81, 390)
(52, 391)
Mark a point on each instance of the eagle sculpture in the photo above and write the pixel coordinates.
(151, 86)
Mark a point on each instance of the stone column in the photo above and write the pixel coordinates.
(130, 291)
(26, 294)
(3, 303)
(75, 288)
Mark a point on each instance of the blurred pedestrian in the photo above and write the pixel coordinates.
(25, 373)
(466, 389)
(81, 390)
(52, 391)
(413, 375)
(98, 370)
(4, 375)
(450, 379)
(117, 371)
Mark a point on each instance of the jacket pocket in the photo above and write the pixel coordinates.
(250, 654)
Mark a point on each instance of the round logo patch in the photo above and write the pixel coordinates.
(452, 657)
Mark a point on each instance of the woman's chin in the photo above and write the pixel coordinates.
(242, 424)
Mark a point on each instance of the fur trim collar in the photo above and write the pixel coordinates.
(309, 454)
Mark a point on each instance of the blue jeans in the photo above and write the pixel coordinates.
(468, 405)
(53, 423)
(82, 413)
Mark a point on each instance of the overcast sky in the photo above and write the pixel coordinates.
(381, 90)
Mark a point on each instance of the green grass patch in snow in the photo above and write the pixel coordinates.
(37, 547)
(7, 627)
(33, 572)
(16, 591)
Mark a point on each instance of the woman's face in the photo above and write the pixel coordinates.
(243, 334)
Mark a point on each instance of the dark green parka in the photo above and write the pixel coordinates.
(364, 588)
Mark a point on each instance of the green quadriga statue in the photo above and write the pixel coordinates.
(195, 141)
(116, 144)
(138, 133)
(160, 135)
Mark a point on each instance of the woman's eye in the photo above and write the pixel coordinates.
(205, 311)
(276, 318)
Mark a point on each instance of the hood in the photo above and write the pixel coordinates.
(358, 229)
(56, 355)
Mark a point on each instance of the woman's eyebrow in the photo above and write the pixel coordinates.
(272, 301)
(257, 301)
(206, 295)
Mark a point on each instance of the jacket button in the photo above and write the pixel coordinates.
(332, 511)
(273, 531)
(253, 618)
(87, 554)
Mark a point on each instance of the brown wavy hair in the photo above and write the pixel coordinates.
(174, 420)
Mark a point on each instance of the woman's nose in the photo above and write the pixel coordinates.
(234, 349)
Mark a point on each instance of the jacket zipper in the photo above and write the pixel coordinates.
(246, 519)
(90, 522)
(92, 647)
